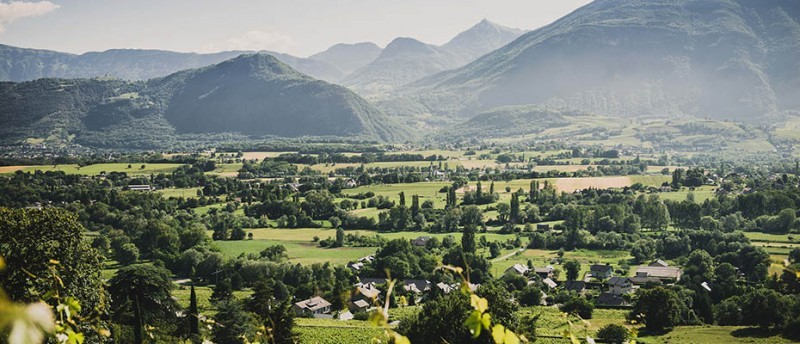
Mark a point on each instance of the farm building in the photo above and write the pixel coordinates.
(140, 188)
(665, 274)
(545, 272)
(517, 269)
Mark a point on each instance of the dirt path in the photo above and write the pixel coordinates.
(508, 255)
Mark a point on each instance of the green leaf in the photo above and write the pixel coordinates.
(498, 334)
(377, 318)
(400, 339)
(480, 304)
(474, 323)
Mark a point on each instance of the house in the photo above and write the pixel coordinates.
(344, 316)
(356, 267)
(660, 263)
(367, 292)
(608, 299)
(416, 286)
(140, 188)
(350, 183)
(455, 286)
(359, 306)
(313, 306)
(421, 241)
(666, 274)
(576, 286)
(367, 259)
(293, 187)
(446, 288)
(601, 271)
(517, 269)
(619, 285)
(706, 286)
(545, 272)
(549, 283)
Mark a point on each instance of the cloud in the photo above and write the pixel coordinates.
(11, 11)
(262, 40)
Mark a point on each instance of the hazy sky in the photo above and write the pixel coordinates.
(299, 27)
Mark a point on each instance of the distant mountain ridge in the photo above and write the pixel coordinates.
(253, 94)
(349, 57)
(22, 64)
(406, 59)
(723, 59)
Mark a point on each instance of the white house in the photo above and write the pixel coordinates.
(314, 306)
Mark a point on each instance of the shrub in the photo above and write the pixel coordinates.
(613, 333)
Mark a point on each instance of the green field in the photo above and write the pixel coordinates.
(700, 194)
(185, 193)
(93, 170)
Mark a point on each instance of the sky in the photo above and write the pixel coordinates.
(297, 27)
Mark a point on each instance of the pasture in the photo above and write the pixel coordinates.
(93, 170)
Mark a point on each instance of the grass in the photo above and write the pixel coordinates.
(299, 252)
(93, 170)
(772, 238)
(715, 334)
(700, 194)
(185, 193)
(204, 306)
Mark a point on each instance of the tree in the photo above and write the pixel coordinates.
(494, 249)
(530, 296)
(141, 295)
(794, 255)
(440, 321)
(763, 307)
(402, 199)
(468, 239)
(194, 316)
(613, 333)
(31, 241)
(659, 308)
(127, 254)
(578, 305)
(572, 267)
(232, 322)
(222, 291)
(335, 221)
(339, 238)
(514, 211)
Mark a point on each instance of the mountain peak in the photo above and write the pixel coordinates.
(404, 45)
(481, 39)
(257, 64)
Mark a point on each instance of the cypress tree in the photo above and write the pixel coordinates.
(194, 325)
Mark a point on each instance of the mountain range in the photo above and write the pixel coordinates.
(723, 59)
(21, 64)
(253, 94)
(406, 59)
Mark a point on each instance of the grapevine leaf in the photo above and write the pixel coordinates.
(474, 323)
(480, 304)
(498, 333)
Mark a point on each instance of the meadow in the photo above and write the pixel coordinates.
(93, 170)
